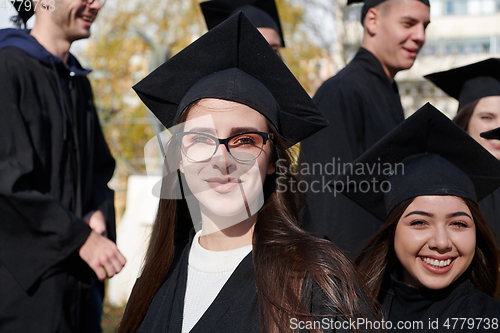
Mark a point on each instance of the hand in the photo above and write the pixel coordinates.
(102, 256)
(97, 222)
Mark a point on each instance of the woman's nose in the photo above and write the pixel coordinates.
(440, 240)
(223, 160)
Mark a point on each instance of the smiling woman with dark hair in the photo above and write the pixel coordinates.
(433, 259)
(234, 109)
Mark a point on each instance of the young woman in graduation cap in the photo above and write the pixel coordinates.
(233, 109)
(433, 259)
(477, 89)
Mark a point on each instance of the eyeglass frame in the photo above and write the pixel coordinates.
(265, 137)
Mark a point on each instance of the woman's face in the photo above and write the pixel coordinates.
(224, 186)
(435, 241)
(486, 116)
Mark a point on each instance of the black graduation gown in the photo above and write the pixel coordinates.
(490, 209)
(235, 309)
(362, 106)
(54, 168)
(436, 309)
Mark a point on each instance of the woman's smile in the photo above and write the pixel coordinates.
(223, 185)
(437, 266)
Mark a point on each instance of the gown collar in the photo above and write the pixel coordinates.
(370, 63)
(403, 302)
(167, 308)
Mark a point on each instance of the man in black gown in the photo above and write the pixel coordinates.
(362, 104)
(55, 205)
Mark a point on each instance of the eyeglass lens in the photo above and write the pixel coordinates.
(199, 147)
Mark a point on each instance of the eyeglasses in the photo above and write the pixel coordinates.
(90, 2)
(243, 147)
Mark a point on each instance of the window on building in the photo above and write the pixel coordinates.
(460, 7)
(448, 7)
(484, 7)
(464, 7)
(439, 47)
(436, 7)
(455, 7)
(474, 48)
(431, 48)
(488, 6)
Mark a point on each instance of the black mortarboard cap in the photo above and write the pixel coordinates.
(262, 13)
(471, 82)
(494, 134)
(427, 154)
(232, 62)
(22, 9)
(372, 3)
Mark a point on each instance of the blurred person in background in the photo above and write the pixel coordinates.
(58, 222)
(262, 13)
(362, 104)
(477, 88)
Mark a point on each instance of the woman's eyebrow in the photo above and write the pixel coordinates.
(419, 212)
(236, 130)
(458, 214)
(210, 130)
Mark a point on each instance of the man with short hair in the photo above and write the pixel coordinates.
(362, 104)
(55, 205)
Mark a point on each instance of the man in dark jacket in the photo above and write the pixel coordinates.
(55, 205)
(362, 104)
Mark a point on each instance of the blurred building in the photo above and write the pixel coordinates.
(461, 32)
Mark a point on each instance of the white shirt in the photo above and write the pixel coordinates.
(208, 271)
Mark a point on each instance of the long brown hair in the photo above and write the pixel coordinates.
(288, 263)
(464, 114)
(378, 259)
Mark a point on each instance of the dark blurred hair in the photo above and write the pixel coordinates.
(378, 259)
(287, 262)
(464, 114)
(18, 22)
